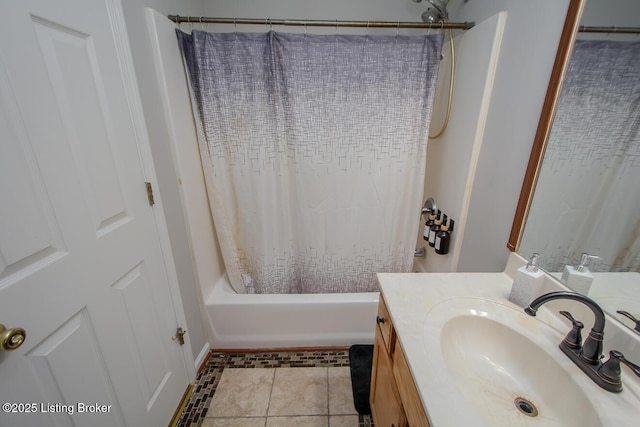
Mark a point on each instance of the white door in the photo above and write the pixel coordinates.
(81, 267)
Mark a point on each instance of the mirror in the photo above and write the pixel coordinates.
(582, 192)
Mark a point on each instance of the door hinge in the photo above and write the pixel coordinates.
(179, 335)
(150, 194)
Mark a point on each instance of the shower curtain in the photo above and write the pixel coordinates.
(588, 195)
(314, 152)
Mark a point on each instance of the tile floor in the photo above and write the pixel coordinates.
(274, 397)
(274, 389)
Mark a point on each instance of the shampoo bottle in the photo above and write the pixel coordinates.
(435, 228)
(579, 278)
(432, 236)
(442, 240)
(427, 226)
(527, 283)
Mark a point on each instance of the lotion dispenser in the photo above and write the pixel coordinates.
(579, 278)
(527, 283)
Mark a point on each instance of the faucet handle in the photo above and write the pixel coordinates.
(610, 370)
(574, 337)
(630, 317)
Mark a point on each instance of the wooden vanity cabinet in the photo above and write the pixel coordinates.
(384, 397)
(394, 398)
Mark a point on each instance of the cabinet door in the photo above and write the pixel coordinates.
(386, 326)
(409, 396)
(384, 398)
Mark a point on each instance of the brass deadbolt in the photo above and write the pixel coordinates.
(10, 339)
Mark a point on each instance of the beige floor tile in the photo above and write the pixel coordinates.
(234, 422)
(304, 421)
(340, 391)
(242, 393)
(343, 421)
(299, 391)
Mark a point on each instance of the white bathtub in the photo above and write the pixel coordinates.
(243, 321)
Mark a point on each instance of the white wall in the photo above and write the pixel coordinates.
(158, 135)
(362, 10)
(619, 13)
(528, 51)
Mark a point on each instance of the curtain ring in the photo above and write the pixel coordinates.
(336, 26)
(202, 25)
(367, 27)
(398, 29)
(234, 23)
(270, 24)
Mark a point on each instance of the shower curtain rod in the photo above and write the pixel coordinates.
(321, 23)
(612, 29)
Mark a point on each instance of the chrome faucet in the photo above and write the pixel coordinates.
(586, 356)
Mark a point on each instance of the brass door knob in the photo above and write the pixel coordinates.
(10, 339)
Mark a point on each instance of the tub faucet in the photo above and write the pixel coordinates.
(586, 356)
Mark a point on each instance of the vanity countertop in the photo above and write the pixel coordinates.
(410, 297)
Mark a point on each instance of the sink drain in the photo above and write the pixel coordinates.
(526, 407)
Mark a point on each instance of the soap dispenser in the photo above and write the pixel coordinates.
(579, 278)
(527, 283)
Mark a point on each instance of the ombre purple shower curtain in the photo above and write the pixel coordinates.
(591, 168)
(314, 153)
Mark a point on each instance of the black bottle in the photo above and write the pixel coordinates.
(442, 240)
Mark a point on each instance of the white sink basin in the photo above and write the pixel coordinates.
(508, 378)
(492, 365)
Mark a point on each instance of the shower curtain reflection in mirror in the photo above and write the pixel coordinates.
(587, 196)
(314, 152)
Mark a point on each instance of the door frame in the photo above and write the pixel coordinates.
(127, 69)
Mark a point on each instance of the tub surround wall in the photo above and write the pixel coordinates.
(457, 150)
